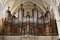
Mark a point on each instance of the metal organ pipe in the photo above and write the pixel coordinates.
(48, 18)
(20, 16)
(35, 13)
(35, 17)
(28, 22)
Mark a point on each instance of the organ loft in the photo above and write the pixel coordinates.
(30, 20)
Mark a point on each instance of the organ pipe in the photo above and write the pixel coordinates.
(44, 19)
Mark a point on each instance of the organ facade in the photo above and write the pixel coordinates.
(30, 21)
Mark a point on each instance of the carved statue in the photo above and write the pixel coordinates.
(13, 18)
(8, 19)
(9, 12)
(47, 16)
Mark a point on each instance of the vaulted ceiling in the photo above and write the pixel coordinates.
(14, 4)
(41, 3)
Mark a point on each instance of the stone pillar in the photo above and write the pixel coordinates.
(57, 17)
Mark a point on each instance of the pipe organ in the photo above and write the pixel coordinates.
(27, 25)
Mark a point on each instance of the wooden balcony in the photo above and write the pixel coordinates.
(39, 30)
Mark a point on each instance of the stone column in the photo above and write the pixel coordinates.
(57, 17)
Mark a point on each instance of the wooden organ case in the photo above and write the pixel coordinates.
(40, 26)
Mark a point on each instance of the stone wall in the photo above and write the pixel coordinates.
(29, 37)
